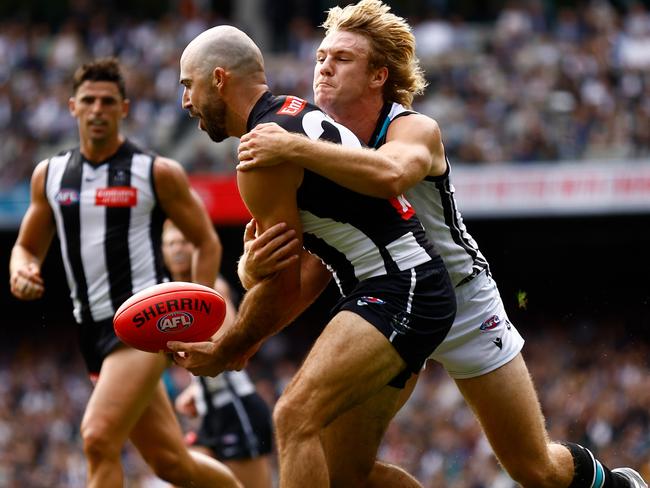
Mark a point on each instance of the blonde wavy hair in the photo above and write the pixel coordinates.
(392, 44)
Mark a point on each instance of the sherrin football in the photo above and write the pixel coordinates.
(173, 311)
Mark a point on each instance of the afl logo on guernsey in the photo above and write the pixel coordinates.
(292, 106)
(174, 321)
(67, 197)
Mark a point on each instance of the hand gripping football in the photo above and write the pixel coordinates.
(174, 311)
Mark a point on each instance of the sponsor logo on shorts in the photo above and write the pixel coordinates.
(369, 300)
(66, 197)
(174, 321)
(498, 342)
(292, 106)
(490, 323)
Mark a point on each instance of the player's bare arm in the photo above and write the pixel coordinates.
(184, 207)
(266, 254)
(413, 150)
(314, 278)
(34, 238)
(266, 307)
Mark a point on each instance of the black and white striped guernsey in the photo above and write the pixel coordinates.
(109, 225)
(356, 236)
(434, 202)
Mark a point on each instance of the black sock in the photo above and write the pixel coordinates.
(591, 473)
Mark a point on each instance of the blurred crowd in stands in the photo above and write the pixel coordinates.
(537, 82)
(593, 379)
(571, 84)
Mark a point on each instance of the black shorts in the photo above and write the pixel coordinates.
(96, 341)
(238, 430)
(413, 309)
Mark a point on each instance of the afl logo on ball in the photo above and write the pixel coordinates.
(174, 321)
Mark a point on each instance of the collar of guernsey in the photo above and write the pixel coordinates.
(385, 118)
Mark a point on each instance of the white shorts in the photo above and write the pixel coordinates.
(482, 338)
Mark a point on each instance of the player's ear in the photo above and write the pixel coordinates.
(219, 77)
(71, 106)
(126, 105)
(379, 77)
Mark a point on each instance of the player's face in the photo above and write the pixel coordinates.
(177, 253)
(341, 74)
(99, 108)
(202, 101)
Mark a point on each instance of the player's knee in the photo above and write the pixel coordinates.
(292, 419)
(282, 415)
(539, 467)
(99, 443)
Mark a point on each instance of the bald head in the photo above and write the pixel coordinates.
(224, 46)
(222, 72)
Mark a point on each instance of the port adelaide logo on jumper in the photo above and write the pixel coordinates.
(174, 314)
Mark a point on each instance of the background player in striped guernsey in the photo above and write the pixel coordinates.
(235, 421)
(365, 77)
(398, 302)
(107, 200)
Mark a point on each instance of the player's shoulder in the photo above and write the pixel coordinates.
(415, 123)
(292, 106)
(60, 157)
(412, 117)
(40, 170)
(281, 109)
(168, 172)
(164, 163)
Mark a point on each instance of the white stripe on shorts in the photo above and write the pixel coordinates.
(409, 302)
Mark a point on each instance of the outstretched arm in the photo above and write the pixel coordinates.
(413, 150)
